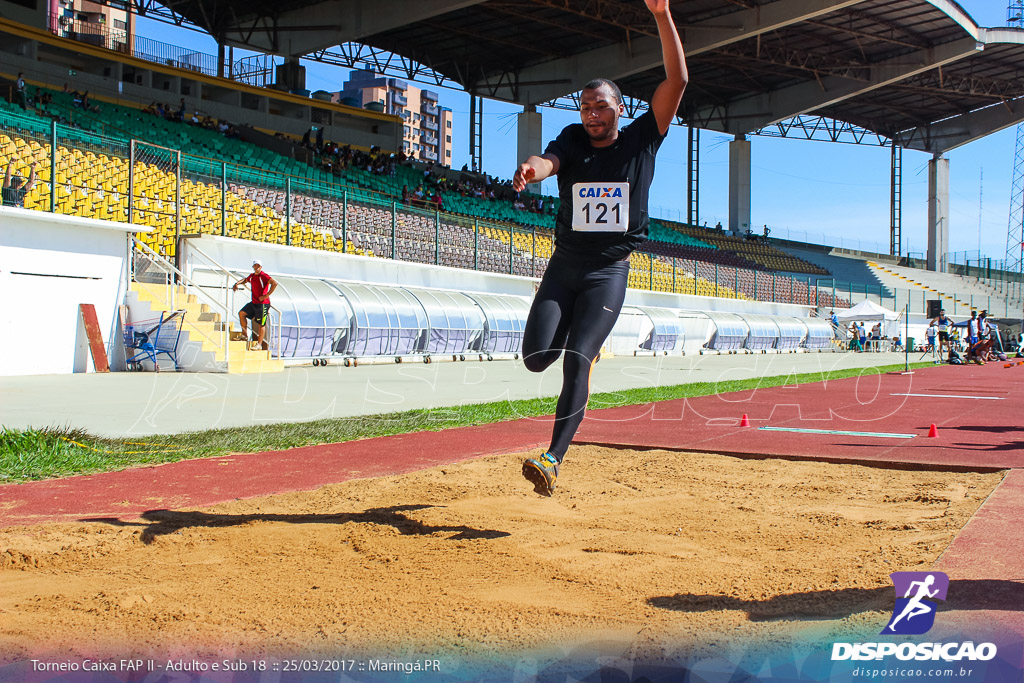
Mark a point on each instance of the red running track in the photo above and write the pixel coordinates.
(974, 433)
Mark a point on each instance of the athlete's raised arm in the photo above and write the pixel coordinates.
(533, 170)
(668, 95)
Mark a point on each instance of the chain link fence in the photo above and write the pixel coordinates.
(83, 173)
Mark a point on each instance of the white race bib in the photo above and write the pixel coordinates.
(600, 207)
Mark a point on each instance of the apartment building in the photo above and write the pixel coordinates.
(107, 25)
(427, 131)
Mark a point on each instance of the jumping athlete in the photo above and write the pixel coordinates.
(604, 179)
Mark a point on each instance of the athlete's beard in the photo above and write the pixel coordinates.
(607, 134)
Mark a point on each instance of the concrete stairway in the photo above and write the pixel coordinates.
(201, 347)
(959, 295)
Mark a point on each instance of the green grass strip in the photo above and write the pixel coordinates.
(46, 453)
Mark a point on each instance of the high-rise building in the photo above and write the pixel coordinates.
(427, 132)
(107, 25)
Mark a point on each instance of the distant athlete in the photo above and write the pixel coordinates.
(604, 179)
(258, 310)
(943, 324)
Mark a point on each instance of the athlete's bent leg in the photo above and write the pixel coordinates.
(547, 325)
(596, 310)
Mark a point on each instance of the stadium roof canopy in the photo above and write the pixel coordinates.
(919, 72)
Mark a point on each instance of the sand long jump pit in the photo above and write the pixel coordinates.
(644, 554)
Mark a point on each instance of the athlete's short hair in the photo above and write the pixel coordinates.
(598, 82)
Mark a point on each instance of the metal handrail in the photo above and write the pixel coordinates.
(169, 268)
(230, 278)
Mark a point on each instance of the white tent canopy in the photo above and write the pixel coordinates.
(867, 310)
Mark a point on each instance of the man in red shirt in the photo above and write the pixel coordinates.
(258, 309)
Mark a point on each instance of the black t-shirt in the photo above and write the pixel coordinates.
(14, 196)
(630, 159)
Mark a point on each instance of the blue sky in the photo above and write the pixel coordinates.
(814, 191)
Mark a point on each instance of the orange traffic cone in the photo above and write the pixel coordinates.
(745, 421)
(933, 431)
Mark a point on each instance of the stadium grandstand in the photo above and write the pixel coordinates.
(196, 161)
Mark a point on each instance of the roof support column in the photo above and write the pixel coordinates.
(692, 175)
(476, 132)
(529, 140)
(739, 185)
(938, 213)
(896, 202)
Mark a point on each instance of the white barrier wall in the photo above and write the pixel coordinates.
(238, 255)
(49, 264)
(283, 261)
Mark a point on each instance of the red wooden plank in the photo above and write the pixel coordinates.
(95, 336)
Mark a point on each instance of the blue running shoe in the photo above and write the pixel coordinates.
(542, 473)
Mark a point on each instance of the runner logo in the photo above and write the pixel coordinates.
(913, 614)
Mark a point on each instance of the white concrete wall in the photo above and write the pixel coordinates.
(237, 255)
(49, 264)
(631, 328)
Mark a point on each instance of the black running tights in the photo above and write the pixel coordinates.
(575, 309)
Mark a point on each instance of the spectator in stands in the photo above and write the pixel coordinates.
(320, 139)
(84, 102)
(76, 98)
(180, 115)
(418, 195)
(405, 194)
(305, 139)
(262, 286)
(438, 201)
(19, 90)
(767, 232)
(14, 191)
(583, 287)
(718, 227)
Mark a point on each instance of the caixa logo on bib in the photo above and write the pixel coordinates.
(914, 614)
(600, 192)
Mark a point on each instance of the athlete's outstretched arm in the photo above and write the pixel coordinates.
(669, 93)
(534, 170)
